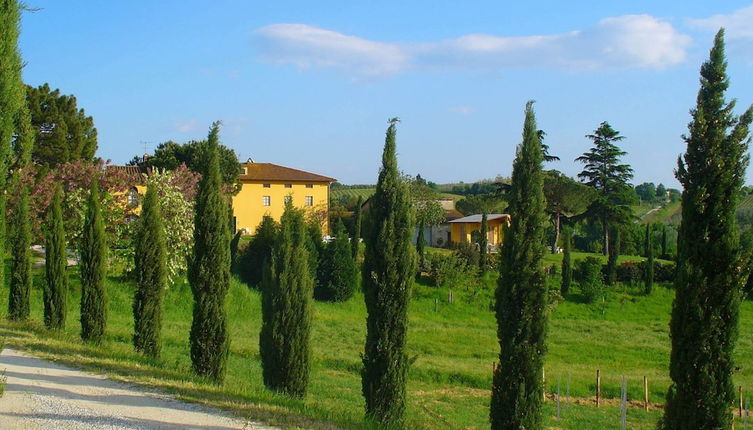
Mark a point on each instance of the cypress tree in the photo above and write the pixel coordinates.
(357, 229)
(420, 243)
(567, 267)
(209, 272)
(664, 253)
(705, 312)
(284, 341)
(12, 99)
(614, 254)
(56, 261)
(483, 242)
(93, 267)
(151, 274)
(388, 269)
(521, 294)
(339, 266)
(649, 272)
(252, 258)
(21, 277)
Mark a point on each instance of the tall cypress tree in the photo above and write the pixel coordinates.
(483, 241)
(388, 270)
(93, 267)
(12, 99)
(355, 241)
(151, 275)
(284, 341)
(521, 294)
(567, 266)
(664, 253)
(648, 279)
(705, 312)
(209, 272)
(614, 254)
(56, 260)
(420, 243)
(20, 281)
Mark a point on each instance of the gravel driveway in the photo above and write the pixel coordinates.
(40, 394)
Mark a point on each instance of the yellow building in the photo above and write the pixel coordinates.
(265, 187)
(462, 228)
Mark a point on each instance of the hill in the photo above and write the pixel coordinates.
(454, 345)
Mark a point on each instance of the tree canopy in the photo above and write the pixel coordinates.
(64, 132)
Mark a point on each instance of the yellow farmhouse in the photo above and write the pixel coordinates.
(462, 228)
(265, 187)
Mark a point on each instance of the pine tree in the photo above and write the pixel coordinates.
(567, 267)
(614, 255)
(284, 341)
(705, 312)
(355, 242)
(21, 276)
(608, 177)
(339, 283)
(93, 266)
(56, 261)
(388, 270)
(648, 280)
(483, 242)
(12, 100)
(209, 272)
(151, 275)
(521, 294)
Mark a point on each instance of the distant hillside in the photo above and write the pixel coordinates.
(365, 193)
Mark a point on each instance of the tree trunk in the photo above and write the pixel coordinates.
(556, 232)
(606, 237)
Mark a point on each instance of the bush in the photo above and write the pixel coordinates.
(634, 271)
(452, 271)
(592, 283)
(468, 252)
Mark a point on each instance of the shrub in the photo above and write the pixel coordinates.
(468, 252)
(592, 283)
(452, 271)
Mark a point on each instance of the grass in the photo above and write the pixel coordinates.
(449, 383)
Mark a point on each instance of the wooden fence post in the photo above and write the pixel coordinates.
(740, 390)
(543, 383)
(598, 387)
(645, 393)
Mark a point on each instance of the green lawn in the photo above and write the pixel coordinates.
(455, 347)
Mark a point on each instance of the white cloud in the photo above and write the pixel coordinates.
(630, 41)
(461, 110)
(185, 126)
(737, 25)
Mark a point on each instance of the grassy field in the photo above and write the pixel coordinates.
(455, 346)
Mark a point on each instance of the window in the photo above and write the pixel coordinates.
(245, 171)
(309, 200)
(288, 185)
(133, 197)
(309, 185)
(267, 185)
(266, 201)
(288, 199)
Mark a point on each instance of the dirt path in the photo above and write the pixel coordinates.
(40, 394)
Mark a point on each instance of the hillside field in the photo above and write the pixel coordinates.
(454, 345)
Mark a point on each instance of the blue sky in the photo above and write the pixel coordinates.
(312, 84)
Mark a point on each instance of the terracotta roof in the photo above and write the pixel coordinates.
(476, 219)
(275, 172)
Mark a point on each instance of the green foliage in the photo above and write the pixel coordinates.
(194, 154)
(151, 277)
(614, 254)
(480, 203)
(648, 278)
(11, 98)
(257, 253)
(339, 269)
(316, 248)
(592, 283)
(567, 267)
(356, 236)
(93, 265)
(608, 177)
(521, 294)
(64, 132)
(483, 243)
(453, 271)
(705, 313)
(284, 341)
(565, 197)
(388, 270)
(209, 272)
(56, 261)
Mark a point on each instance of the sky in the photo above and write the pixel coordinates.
(311, 85)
